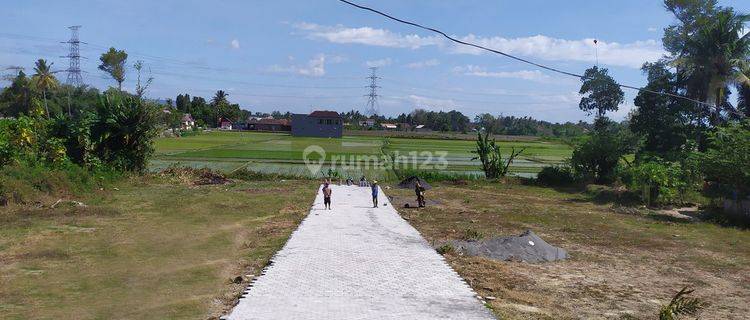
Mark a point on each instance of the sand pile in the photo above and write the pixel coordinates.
(527, 247)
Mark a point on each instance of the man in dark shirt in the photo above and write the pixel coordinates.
(327, 196)
(374, 187)
(419, 190)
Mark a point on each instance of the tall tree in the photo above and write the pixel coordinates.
(16, 99)
(219, 98)
(600, 93)
(140, 89)
(713, 58)
(113, 63)
(44, 80)
(662, 120)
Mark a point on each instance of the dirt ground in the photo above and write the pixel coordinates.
(622, 266)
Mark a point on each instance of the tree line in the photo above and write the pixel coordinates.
(685, 133)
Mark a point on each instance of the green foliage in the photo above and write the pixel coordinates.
(601, 92)
(113, 63)
(489, 154)
(29, 140)
(681, 305)
(15, 100)
(597, 156)
(438, 175)
(44, 80)
(117, 133)
(123, 132)
(527, 126)
(726, 160)
(557, 176)
(663, 121)
(661, 182)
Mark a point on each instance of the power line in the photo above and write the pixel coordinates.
(553, 69)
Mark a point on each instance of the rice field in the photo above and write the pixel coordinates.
(349, 156)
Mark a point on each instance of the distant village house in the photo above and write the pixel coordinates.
(268, 124)
(187, 122)
(323, 124)
(225, 124)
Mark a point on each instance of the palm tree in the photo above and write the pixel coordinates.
(44, 79)
(219, 97)
(743, 95)
(714, 58)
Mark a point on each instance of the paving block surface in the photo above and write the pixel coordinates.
(358, 262)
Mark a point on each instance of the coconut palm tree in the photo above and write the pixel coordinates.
(743, 95)
(714, 58)
(44, 79)
(219, 97)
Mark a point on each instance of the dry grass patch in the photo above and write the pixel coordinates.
(156, 248)
(622, 266)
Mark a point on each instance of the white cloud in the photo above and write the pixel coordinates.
(472, 70)
(379, 62)
(627, 55)
(365, 35)
(235, 44)
(542, 47)
(315, 67)
(652, 29)
(423, 64)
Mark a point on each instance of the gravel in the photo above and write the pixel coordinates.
(526, 247)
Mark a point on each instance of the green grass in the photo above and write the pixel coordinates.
(154, 249)
(277, 152)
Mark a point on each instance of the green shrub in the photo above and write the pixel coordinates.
(250, 175)
(661, 182)
(437, 175)
(488, 153)
(727, 161)
(556, 176)
(597, 157)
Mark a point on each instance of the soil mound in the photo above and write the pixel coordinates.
(410, 182)
(527, 247)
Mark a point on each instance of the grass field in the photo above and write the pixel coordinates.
(152, 248)
(622, 265)
(277, 152)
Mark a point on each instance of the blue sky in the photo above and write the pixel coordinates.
(305, 55)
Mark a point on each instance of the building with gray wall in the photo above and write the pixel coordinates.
(323, 124)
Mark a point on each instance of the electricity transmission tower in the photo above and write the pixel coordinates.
(74, 56)
(372, 97)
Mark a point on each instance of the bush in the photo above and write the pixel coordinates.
(661, 182)
(726, 162)
(556, 176)
(597, 157)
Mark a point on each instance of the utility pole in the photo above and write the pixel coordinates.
(372, 97)
(74, 56)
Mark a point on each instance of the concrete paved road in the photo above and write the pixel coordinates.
(358, 262)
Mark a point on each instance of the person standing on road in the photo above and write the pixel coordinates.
(419, 190)
(327, 195)
(374, 187)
